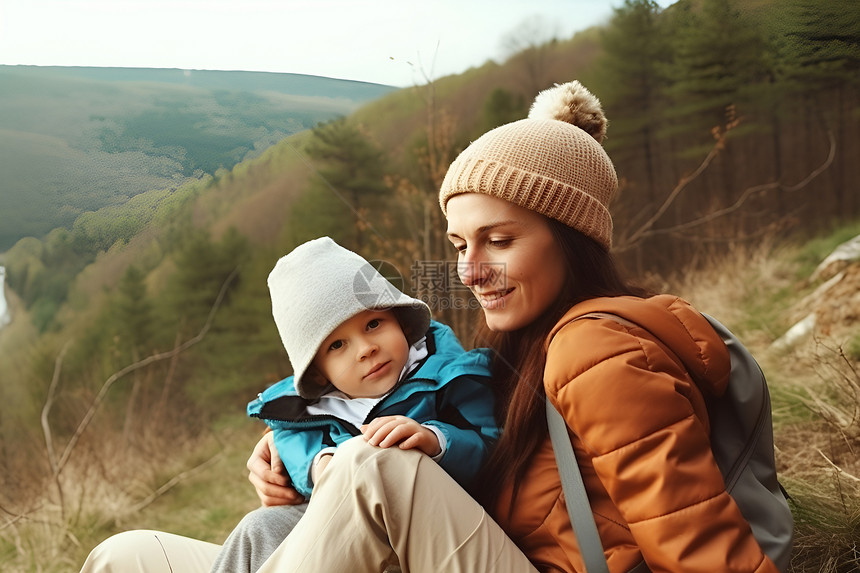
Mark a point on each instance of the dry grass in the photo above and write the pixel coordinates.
(815, 390)
(91, 478)
(819, 456)
(195, 485)
(171, 481)
(745, 288)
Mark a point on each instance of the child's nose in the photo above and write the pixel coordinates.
(367, 349)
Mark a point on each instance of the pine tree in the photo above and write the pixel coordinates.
(818, 73)
(351, 170)
(630, 82)
(718, 56)
(133, 310)
(502, 107)
(202, 267)
(819, 44)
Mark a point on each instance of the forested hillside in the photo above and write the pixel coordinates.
(143, 328)
(73, 140)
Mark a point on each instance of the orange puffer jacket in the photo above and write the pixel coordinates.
(640, 431)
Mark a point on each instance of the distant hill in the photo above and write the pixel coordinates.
(76, 139)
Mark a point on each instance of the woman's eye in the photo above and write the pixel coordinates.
(500, 242)
(460, 248)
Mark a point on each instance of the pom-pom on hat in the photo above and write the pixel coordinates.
(318, 286)
(551, 162)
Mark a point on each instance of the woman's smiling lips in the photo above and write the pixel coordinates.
(494, 300)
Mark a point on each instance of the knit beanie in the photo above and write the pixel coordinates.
(320, 285)
(551, 162)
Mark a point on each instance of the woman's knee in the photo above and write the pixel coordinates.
(148, 551)
(127, 551)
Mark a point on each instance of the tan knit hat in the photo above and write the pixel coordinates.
(551, 162)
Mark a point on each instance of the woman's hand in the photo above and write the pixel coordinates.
(390, 430)
(269, 476)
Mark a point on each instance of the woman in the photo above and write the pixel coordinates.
(527, 209)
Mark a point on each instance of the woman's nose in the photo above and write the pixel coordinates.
(466, 271)
(471, 271)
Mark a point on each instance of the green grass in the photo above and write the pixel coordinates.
(815, 249)
(205, 505)
(813, 389)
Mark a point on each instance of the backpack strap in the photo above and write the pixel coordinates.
(575, 496)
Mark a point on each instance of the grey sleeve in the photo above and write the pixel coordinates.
(256, 537)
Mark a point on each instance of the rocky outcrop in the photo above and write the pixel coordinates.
(833, 308)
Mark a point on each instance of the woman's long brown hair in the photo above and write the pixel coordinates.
(520, 358)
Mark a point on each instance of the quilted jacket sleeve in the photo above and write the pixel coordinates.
(636, 414)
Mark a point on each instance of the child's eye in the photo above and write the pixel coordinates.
(336, 345)
(373, 324)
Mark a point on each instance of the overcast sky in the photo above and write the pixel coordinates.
(395, 42)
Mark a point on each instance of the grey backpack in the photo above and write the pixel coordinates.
(742, 443)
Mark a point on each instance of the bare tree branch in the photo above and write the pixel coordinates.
(58, 465)
(647, 230)
(839, 470)
(175, 480)
(49, 402)
(46, 425)
(16, 517)
(91, 411)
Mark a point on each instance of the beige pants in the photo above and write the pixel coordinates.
(144, 551)
(374, 507)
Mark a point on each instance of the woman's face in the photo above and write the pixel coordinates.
(507, 256)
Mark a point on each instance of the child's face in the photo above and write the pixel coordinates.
(364, 356)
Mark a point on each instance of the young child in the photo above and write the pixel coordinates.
(367, 360)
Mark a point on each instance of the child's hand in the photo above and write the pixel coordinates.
(409, 434)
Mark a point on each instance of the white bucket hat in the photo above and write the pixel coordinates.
(320, 285)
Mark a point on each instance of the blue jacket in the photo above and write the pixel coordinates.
(449, 390)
